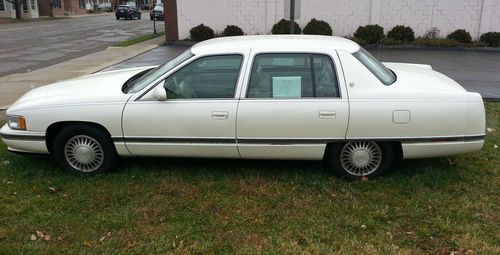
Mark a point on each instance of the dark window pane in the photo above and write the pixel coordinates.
(207, 77)
(325, 77)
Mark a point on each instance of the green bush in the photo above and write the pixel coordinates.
(436, 42)
(460, 35)
(492, 39)
(201, 33)
(232, 30)
(283, 27)
(391, 41)
(357, 40)
(401, 33)
(370, 33)
(318, 27)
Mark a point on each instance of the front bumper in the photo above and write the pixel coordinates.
(24, 141)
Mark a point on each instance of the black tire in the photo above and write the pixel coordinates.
(151, 18)
(334, 163)
(139, 17)
(117, 17)
(107, 152)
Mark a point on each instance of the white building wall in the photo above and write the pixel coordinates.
(10, 11)
(258, 16)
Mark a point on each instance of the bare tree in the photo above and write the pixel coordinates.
(18, 4)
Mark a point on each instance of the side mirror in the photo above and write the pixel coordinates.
(160, 93)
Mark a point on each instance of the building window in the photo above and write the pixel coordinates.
(33, 5)
(56, 4)
(2, 5)
(81, 3)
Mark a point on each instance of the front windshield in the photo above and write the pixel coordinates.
(156, 73)
(384, 74)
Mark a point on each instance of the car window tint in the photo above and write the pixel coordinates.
(207, 77)
(288, 75)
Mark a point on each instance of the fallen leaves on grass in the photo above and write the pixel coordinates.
(8, 182)
(5, 162)
(491, 130)
(53, 189)
(104, 237)
(87, 243)
(33, 237)
(495, 146)
(364, 179)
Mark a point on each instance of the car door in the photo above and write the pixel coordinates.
(198, 119)
(293, 105)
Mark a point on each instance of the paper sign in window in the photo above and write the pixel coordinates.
(287, 87)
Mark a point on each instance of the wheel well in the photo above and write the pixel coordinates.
(398, 149)
(55, 127)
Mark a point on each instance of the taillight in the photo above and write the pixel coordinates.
(129, 11)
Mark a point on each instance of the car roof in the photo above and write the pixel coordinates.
(272, 42)
(124, 5)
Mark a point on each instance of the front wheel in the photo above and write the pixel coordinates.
(84, 149)
(357, 159)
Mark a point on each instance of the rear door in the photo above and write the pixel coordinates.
(292, 106)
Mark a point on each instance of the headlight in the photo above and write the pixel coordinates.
(16, 122)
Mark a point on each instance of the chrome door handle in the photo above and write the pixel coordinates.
(220, 115)
(327, 114)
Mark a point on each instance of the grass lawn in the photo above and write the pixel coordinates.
(139, 39)
(188, 206)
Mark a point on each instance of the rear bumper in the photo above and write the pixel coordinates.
(440, 149)
(24, 141)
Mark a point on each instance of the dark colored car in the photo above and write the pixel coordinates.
(157, 12)
(127, 12)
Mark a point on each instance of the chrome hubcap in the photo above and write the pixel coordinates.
(361, 158)
(84, 153)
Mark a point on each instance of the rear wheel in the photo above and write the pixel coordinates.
(357, 159)
(84, 149)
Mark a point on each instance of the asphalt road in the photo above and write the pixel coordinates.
(30, 46)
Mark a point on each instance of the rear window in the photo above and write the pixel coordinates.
(123, 7)
(384, 74)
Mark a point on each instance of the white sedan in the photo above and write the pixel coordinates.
(253, 97)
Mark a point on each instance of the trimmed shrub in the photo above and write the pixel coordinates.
(318, 27)
(391, 41)
(372, 34)
(401, 33)
(283, 27)
(432, 33)
(201, 33)
(232, 30)
(492, 39)
(460, 35)
(357, 40)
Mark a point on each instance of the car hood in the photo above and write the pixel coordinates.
(418, 76)
(104, 87)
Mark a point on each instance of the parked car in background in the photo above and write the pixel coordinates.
(157, 12)
(253, 97)
(127, 12)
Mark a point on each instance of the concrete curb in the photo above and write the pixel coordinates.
(15, 85)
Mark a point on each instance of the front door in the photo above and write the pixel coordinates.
(198, 119)
(293, 107)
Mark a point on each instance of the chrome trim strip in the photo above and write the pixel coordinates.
(22, 137)
(282, 141)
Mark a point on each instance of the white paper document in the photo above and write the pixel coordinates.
(287, 87)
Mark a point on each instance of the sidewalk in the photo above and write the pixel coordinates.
(14, 86)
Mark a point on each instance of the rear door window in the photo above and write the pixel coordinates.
(290, 75)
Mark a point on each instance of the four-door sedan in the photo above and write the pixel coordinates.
(127, 12)
(253, 97)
